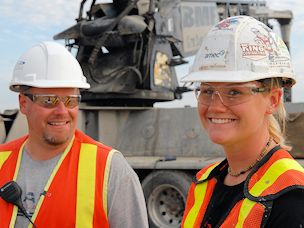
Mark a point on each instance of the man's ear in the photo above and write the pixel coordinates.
(274, 100)
(22, 103)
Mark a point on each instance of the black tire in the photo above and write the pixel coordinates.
(166, 193)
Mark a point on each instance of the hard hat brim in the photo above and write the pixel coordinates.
(231, 76)
(16, 87)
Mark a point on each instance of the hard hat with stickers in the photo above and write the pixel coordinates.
(241, 49)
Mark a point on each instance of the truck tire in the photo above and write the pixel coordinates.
(166, 193)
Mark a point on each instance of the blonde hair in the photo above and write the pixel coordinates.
(277, 121)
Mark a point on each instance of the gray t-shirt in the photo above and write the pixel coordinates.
(126, 203)
(32, 177)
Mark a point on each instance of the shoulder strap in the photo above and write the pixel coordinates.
(276, 174)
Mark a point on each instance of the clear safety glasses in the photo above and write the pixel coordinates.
(51, 101)
(229, 95)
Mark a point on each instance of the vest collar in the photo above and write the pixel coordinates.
(218, 169)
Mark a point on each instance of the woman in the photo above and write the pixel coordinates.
(240, 70)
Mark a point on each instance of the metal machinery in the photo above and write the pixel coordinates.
(128, 51)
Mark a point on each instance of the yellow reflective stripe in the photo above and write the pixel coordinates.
(272, 174)
(15, 211)
(208, 171)
(246, 207)
(40, 201)
(199, 196)
(3, 156)
(86, 185)
(106, 180)
(19, 161)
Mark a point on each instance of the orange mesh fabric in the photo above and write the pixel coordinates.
(277, 155)
(287, 179)
(195, 210)
(210, 188)
(254, 218)
(189, 203)
(232, 218)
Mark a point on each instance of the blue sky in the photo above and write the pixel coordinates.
(27, 22)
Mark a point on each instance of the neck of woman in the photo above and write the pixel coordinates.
(243, 156)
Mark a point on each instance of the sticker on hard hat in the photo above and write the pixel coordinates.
(263, 45)
(21, 62)
(254, 52)
(227, 24)
(215, 54)
(280, 62)
(19, 65)
(264, 39)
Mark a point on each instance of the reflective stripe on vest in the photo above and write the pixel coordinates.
(105, 180)
(275, 173)
(199, 194)
(3, 156)
(86, 185)
(245, 213)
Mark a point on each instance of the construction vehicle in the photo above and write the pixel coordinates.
(128, 51)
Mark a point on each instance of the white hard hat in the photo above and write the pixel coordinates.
(48, 65)
(241, 49)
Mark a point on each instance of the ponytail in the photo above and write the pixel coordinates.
(277, 121)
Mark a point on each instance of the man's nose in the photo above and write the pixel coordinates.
(60, 107)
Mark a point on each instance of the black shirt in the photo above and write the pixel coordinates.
(287, 210)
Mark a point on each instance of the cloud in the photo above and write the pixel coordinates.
(39, 13)
(284, 4)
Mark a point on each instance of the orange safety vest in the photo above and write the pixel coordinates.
(276, 174)
(76, 192)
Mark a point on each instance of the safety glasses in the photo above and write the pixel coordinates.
(51, 101)
(229, 95)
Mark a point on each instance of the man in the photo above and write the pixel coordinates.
(67, 178)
